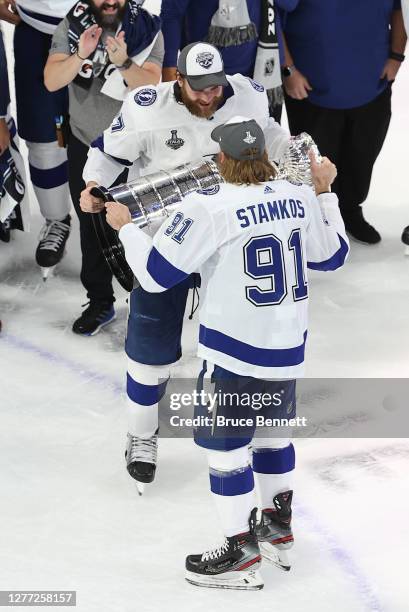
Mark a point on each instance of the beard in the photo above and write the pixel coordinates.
(196, 109)
(108, 21)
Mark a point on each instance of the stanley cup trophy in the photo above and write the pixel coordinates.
(154, 197)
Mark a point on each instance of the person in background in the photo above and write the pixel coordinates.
(405, 11)
(4, 98)
(4, 128)
(101, 49)
(339, 91)
(247, 33)
(35, 23)
(14, 202)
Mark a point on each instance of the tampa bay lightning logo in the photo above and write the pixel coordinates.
(209, 190)
(205, 59)
(174, 142)
(256, 86)
(145, 97)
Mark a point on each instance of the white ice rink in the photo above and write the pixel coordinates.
(69, 515)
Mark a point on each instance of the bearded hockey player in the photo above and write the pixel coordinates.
(260, 237)
(161, 128)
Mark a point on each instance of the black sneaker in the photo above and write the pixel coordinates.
(53, 237)
(360, 230)
(94, 318)
(233, 565)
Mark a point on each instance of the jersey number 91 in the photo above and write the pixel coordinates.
(264, 259)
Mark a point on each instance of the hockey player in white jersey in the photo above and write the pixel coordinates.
(161, 128)
(252, 240)
(37, 123)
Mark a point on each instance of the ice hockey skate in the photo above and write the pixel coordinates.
(51, 248)
(405, 239)
(233, 565)
(274, 532)
(140, 455)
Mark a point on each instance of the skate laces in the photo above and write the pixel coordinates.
(142, 449)
(216, 552)
(53, 235)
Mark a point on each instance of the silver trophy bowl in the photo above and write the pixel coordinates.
(154, 197)
(150, 199)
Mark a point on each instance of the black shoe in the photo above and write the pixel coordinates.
(94, 318)
(53, 237)
(5, 230)
(359, 229)
(233, 565)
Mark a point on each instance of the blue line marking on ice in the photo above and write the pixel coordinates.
(344, 560)
(69, 364)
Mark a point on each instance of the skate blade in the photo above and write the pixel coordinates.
(407, 251)
(46, 272)
(250, 580)
(140, 487)
(276, 557)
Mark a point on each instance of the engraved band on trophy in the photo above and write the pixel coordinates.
(154, 197)
(149, 199)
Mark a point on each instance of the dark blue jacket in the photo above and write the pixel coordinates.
(187, 21)
(341, 46)
(4, 80)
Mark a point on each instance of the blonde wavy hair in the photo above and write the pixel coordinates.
(248, 171)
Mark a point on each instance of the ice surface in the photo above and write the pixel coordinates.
(70, 516)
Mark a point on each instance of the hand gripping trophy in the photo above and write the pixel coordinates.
(153, 197)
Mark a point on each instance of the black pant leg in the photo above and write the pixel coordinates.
(365, 133)
(325, 125)
(96, 275)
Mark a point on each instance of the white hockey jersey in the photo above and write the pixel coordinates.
(252, 246)
(162, 134)
(44, 15)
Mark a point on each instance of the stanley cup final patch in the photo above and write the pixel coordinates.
(174, 142)
(249, 139)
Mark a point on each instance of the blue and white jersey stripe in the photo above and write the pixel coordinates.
(253, 247)
(44, 15)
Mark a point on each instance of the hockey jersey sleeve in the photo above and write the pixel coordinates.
(327, 243)
(118, 147)
(277, 138)
(180, 246)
